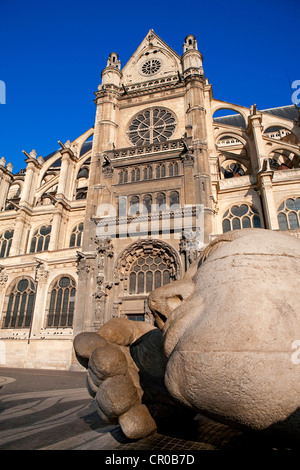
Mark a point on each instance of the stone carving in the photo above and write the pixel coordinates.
(223, 345)
(3, 276)
(41, 271)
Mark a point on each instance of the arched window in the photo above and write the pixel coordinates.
(174, 199)
(134, 205)
(123, 176)
(240, 216)
(62, 303)
(148, 273)
(122, 206)
(234, 170)
(76, 235)
(160, 171)
(289, 214)
(40, 240)
(20, 304)
(173, 169)
(5, 243)
(147, 202)
(148, 173)
(81, 194)
(160, 202)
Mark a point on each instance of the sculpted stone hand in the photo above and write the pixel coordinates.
(126, 365)
(223, 346)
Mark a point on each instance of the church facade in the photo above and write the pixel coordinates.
(88, 231)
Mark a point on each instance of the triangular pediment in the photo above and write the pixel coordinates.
(153, 59)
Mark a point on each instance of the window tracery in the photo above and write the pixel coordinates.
(20, 304)
(289, 214)
(62, 303)
(5, 243)
(76, 235)
(239, 217)
(41, 239)
(151, 126)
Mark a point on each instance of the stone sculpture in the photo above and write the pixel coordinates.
(222, 345)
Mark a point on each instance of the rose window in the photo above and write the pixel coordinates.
(153, 125)
(151, 66)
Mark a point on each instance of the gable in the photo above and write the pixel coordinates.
(153, 59)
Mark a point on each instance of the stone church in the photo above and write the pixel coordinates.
(89, 230)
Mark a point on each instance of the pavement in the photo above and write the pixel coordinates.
(52, 410)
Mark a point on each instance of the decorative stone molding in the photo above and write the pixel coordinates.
(188, 160)
(189, 246)
(84, 262)
(41, 271)
(3, 277)
(104, 246)
(142, 248)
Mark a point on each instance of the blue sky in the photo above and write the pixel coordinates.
(52, 54)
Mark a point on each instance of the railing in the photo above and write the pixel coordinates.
(146, 149)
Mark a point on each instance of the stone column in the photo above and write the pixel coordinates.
(66, 176)
(20, 238)
(256, 128)
(3, 287)
(270, 213)
(188, 171)
(202, 176)
(26, 203)
(41, 278)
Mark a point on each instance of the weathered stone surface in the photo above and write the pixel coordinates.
(230, 344)
(84, 345)
(108, 361)
(123, 331)
(115, 396)
(225, 351)
(137, 422)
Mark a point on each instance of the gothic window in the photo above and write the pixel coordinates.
(81, 193)
(122, 206)
(148, 174)
(123, 176)
(160, 171)
(62, 303)
(151, 67)
(5, 243)
(20, 304)
(240, 216)
(147, 202)
(173, 169)
(83, 173)
(289, 214)
(148, 273)
(40, 240)
(76, 235)
(161, 201)
(233, 170)
(153, 125)
(134, 205)
(174, 199)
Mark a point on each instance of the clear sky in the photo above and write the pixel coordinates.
(52, 53)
